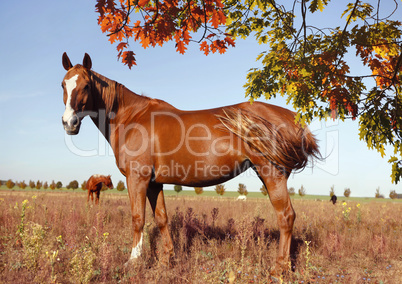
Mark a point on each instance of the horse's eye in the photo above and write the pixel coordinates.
(62, 86)
(86, 88)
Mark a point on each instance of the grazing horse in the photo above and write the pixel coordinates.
(94, 185)
(155, 143)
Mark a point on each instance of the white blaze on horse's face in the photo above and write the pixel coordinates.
(71, 121)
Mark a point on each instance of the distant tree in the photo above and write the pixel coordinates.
(302, 191)
(263, 190)
(84, 185)
(38, 185)
(59, 185)
(22, 184)
(220, 189)
(120, 186)
(52, 185)
(72, 185)
(32, 184)
(178, 188)
(393, 194)
(10, 184)
(198, 190)
(377, 193)
(332, 191)
(242, 189)
(347, 192)
(292, 191)
(45, 185)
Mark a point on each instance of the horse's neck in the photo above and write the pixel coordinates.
(113, 103)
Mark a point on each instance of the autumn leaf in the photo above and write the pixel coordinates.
(121, 46)
(204, 47)
(128, 58)
(180, 47)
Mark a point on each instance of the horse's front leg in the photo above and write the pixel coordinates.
(157, 201)
(137, 191)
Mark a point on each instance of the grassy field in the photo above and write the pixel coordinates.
(55, 237)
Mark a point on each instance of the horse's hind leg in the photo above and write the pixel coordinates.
(97, 197)
(157, 201)
(276, 184)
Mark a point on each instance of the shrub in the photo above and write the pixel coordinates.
(32, 184)
(178, 188)
(393, 194)
(22, 184)
(10, 184)
(84, 185)
(263, 190)
(292, 191)
(302, 191)
(347, 192)
(38, 185)
(198, 190)
(220, 189)
(59, 185)
(45, 185)
(73, 185)
(52, 185)
(120, 186)
(242, 189)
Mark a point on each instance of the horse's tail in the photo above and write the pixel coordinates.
(287, 146)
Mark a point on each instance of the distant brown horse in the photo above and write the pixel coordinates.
(94, 185)
(155, 143)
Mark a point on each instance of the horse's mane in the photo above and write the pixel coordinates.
(109, 90)
(112, 93)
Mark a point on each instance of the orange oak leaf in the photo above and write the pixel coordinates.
(128, 58)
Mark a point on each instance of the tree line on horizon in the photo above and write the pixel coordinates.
(54, 185)
(219, 189)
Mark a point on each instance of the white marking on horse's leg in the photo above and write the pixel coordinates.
(136, 252)
(70, 86)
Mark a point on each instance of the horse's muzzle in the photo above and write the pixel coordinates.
(72, 127)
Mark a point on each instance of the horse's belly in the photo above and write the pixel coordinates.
(199, 172)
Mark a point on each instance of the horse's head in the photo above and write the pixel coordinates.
(76, 93)
(108, 182)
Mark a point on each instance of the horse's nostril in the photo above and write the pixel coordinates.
(64, 122)
(74, 120)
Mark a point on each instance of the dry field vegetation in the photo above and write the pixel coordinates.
(48, 237)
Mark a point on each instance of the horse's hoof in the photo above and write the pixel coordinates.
(276, 279)
(129, 263)
(276, 275)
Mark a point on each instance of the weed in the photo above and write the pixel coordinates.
(82, 265)
(32, 241)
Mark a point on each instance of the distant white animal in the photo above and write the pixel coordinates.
(242, 197)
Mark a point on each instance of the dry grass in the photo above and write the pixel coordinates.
(57, 238)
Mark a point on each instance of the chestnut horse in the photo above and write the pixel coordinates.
(155, 143)
(94, 185)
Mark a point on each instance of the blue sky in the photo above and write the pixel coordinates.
(33, 144)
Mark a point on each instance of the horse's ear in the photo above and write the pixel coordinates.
(66, 62)
(87, 62)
